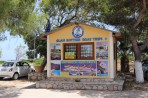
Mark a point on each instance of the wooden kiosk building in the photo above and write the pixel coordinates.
(80, 56)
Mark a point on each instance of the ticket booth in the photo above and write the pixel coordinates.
(79, 50)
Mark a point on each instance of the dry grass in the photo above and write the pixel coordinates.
(136, 86)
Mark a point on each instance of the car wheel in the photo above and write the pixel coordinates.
(1, 78)
(15, 76)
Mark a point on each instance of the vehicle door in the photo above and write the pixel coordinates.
(20, 68)
(26, 68)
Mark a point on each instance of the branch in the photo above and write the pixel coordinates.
(67, 21)
(141, 14)
(145, 43)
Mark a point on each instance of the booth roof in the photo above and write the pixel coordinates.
(44, 36)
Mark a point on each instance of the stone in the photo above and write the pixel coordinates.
(104, 87)
(94, 87)
(33, 78)
(120, 88)
(66, 87)
(91, 80)
(110, 87)
(37, 85)
(54, 86)
(39, 78)
(115, 87)
(83, 80)
(60, 86)
(76, 85)
(42, 85)
(102, 80)
(49, 86)
(95, 80)
(83, 88)
(71, 79)
(88, 80)
(100, 87)
(72, 87)
(51, 79)
(88, 87)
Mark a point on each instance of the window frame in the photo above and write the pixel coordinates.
(79, 50)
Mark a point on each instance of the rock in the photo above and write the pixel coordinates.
(110, 87)
(94, 87)
(100, 87)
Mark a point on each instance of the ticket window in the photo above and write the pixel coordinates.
(79, 51)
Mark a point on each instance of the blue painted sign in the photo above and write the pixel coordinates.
(77, 31)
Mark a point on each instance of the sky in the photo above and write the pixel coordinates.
(9, 45)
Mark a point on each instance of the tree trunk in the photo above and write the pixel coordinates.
(138, 64)
(44, 62)
(139, 71)
(124, 64)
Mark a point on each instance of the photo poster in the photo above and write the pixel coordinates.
(78, 68)
(55, 51)
(69, 55)
(101, 50)
(102, 68)
(55, 68)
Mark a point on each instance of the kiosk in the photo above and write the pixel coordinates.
(80, 56)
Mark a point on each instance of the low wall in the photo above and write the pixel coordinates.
(37, 76)
(82, 84)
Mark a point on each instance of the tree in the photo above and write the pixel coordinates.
(0, 52)
(21, 17)
(16, 16)
(131, 18)
(20, 52)
(40, 45)
(124, 50)
(62, 12)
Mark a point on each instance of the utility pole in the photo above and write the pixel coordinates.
(34, 48)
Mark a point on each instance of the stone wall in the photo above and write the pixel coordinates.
(37, 76)
(82, 84)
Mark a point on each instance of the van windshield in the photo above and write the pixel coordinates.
(8, 64)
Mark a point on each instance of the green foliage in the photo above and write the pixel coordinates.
(123, 14)
(62, 12)
(30, 54)
(1, 62)
(20, 17)
(130, 18)
(40, 46)
(38, 62)
(131, 57)
(28, 61)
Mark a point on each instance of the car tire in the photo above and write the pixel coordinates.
(15, 76)
(1, 78)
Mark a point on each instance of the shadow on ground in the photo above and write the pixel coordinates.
(9, 92)
(25, 78)
(107, 94)
(32, 86)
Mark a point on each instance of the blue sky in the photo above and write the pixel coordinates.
(8, 46)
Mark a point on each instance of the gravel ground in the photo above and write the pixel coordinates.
(22, 88)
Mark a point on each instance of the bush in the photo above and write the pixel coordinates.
(38, 62)
(1, 62)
